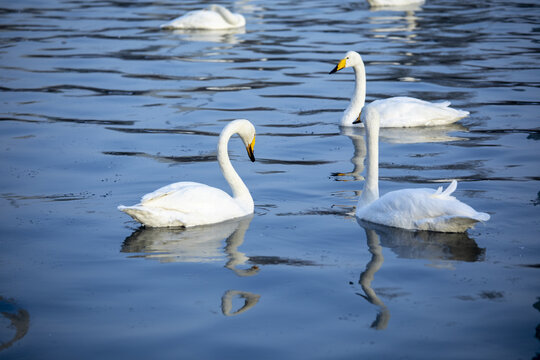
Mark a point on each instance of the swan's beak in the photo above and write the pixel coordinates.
(339, 66)
(249, 149)
(358, 119)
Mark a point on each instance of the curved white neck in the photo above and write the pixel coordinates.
(239, 189)
(225, 14)
(371, 184)
(359, 97)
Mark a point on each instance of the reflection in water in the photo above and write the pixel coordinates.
(394, 136)
(381, 321)
(196, 244)
(250, 300)
(410, 245)
(228, 36)
(19, 321)
(199, 244)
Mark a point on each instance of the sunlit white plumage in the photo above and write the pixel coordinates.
(391, 3)
(186, 204)
(413, 209)
(396, 111)
(214, 17)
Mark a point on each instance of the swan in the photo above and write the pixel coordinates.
(396, 111)
(186, 204)
(392, 3)
(214, 17)
(412, 209)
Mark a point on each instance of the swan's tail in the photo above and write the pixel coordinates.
(459, 114)
(150, 218)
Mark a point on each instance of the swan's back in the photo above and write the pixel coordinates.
(404, 111)
(422, 209)
(214, 17)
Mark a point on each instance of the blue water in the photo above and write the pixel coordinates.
(99, 106)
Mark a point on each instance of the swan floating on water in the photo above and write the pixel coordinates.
(185, 204)
(396, 111)
(412, 209)
(214, 17)
(392, 3)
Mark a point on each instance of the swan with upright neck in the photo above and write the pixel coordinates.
(186, 204)
(396, 111)
(411, 209)
(214, 17)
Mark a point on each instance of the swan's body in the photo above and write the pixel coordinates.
(412, 209)
(186, 204)
(394, 112)
(214, 17)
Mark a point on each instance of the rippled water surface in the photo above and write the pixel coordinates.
(99, 106)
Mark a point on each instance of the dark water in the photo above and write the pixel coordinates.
(98, 107)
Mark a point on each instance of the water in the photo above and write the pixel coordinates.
(100, 107)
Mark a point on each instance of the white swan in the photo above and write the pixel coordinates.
(394, 3)
(413, 209)
(186, 204)
(395, 111)
(214, 17)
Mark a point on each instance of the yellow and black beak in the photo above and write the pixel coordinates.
(358, 119)
(339, 66)
(249, 149)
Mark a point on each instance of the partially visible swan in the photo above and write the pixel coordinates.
(396, 111)
(186, 204)
(214, 17)
(413, 209)
(392, 3)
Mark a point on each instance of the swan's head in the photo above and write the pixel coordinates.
(246, 130)
(351, 59)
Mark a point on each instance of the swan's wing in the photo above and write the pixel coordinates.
(411, 112)
(198, 20)
(446, 194)
(163, 191)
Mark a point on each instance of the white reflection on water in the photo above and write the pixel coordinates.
(394, 136)
(445, 247)
(200, 244)
(228, 36)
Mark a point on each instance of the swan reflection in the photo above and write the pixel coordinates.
(19, 323)
(201, 244)
(411, 245)
(250, 300)
(394, 136)
(227, 36)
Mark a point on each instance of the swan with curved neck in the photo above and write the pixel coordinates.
(411, 209)
(214, 17)
(186, 204)
(396, 111)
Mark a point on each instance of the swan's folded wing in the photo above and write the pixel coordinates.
(163, 191)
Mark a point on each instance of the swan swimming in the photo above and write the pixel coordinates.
(396, 111)
(412, 209)
(392, 3)
(214, 17)
(185, 204)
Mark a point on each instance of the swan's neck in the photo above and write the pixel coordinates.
(359, 97)
(371, 184)
(239, 189)
(225, 14)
